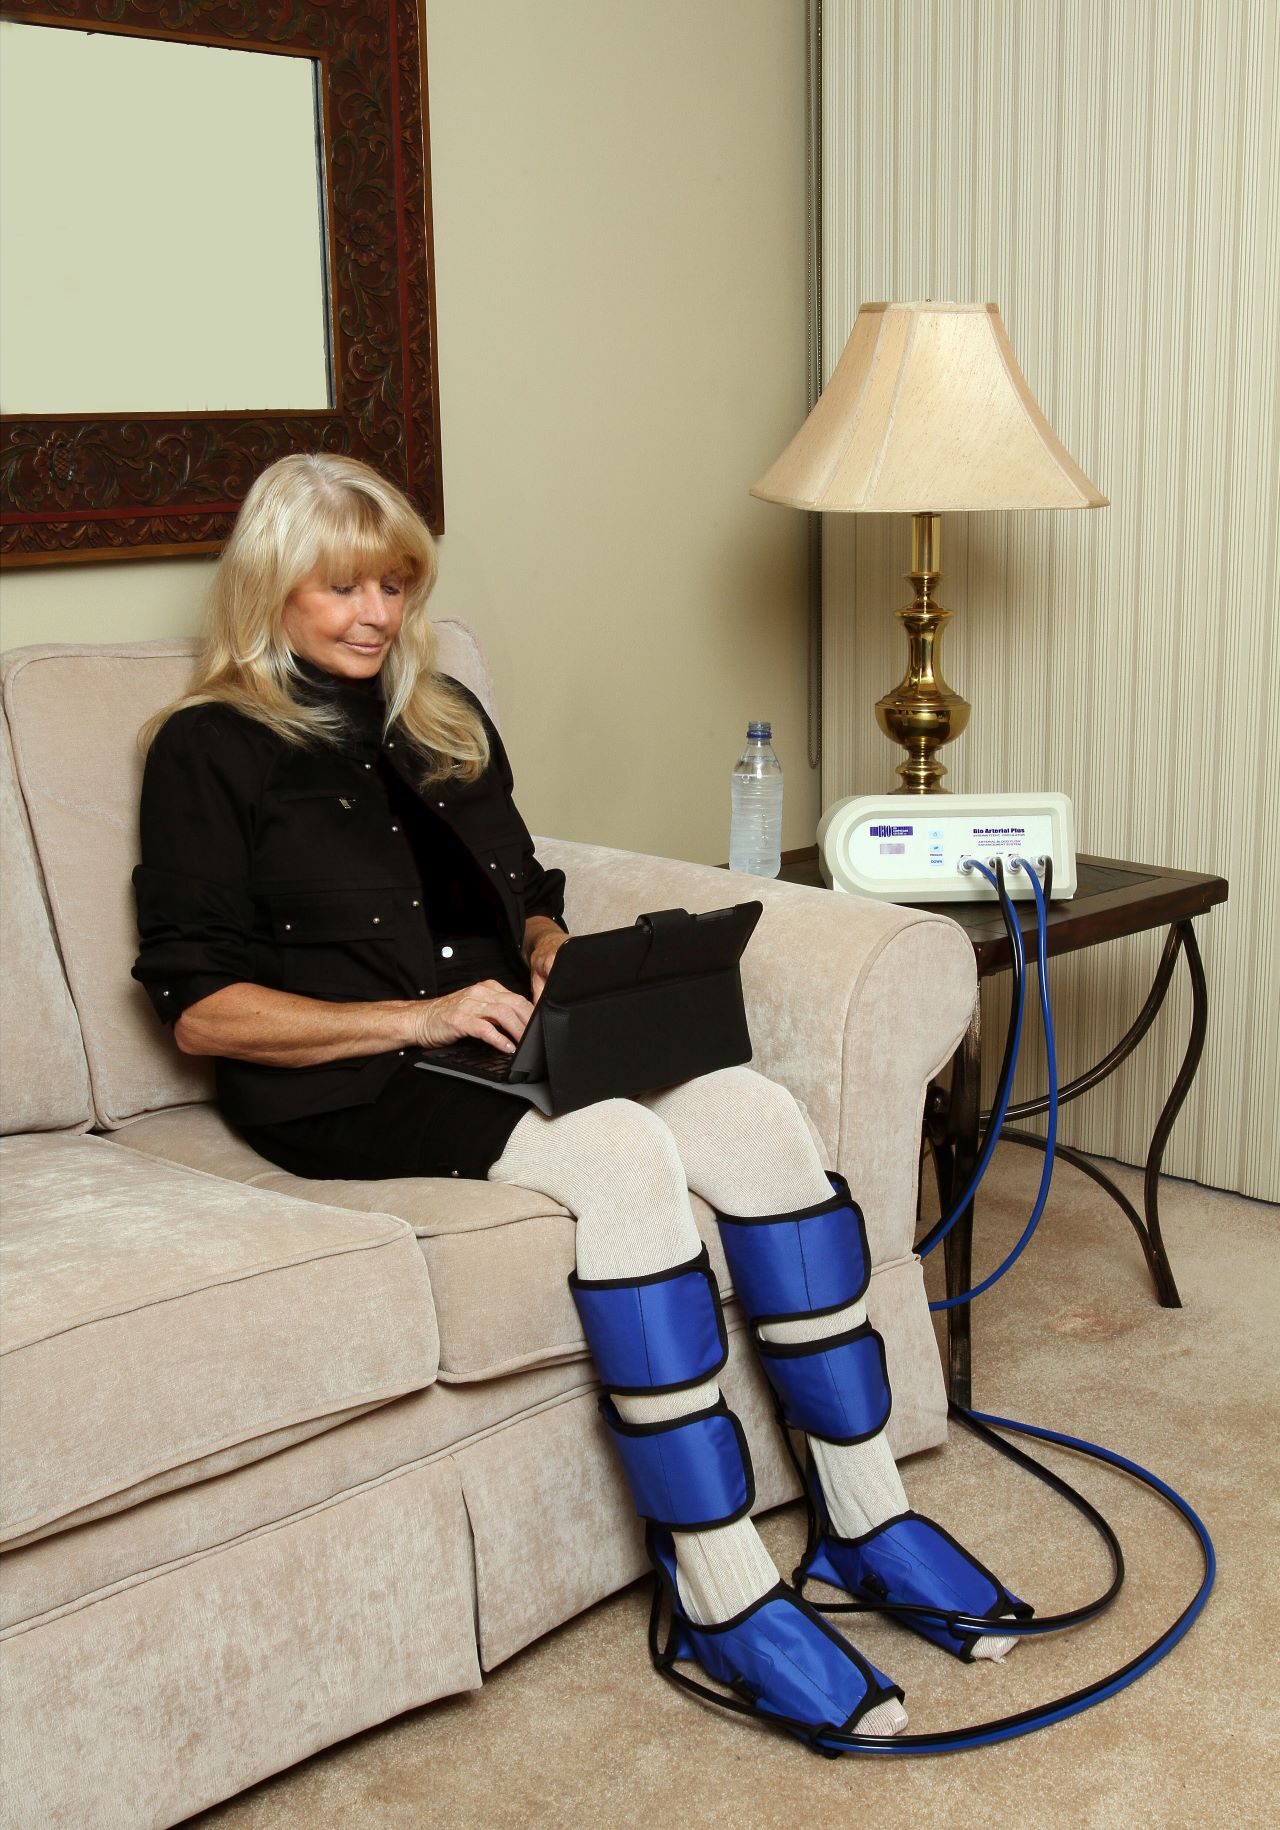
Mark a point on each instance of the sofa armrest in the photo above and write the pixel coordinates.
(854, 1005)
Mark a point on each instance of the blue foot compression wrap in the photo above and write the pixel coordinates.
(909, 1561)
(815, 1262)
(665, 1333)
(778, 1655)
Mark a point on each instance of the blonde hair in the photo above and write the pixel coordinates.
(336, 516)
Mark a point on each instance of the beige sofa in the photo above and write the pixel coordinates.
(284, 1458)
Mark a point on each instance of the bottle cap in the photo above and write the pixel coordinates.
(760, 727)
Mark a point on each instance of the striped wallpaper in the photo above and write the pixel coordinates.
(1106, 171)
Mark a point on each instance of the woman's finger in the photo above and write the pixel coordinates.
(486, 1032)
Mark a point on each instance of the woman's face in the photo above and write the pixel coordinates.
(345, 625)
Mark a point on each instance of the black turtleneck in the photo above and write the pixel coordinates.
(361, 702)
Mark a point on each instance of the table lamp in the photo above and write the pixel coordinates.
(927, 413)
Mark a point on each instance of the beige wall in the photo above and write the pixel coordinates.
(1106, 171)
(619, 218)
(123, 602)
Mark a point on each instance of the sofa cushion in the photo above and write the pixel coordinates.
(500, 1259)
(75, 713)
(159, 1324)
(44, 1078)
(499, 1256)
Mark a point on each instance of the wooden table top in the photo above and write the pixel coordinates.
(1113, 897)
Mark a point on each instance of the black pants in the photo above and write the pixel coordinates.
(420, 1124)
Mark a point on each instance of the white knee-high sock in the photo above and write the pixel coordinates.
(747, 1148)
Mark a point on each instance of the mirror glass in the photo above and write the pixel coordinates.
(188, 271)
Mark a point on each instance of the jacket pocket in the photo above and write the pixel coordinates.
(333, 917)
(344, 945)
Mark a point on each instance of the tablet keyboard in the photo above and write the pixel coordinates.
(471, 1057)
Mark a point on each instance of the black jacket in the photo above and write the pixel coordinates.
(288, 867)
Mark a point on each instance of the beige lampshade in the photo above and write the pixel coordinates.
(927, 412)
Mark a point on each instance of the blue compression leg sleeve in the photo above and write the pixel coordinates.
(665, 1333)
(811, 1263)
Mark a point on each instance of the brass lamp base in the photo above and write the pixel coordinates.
(922, 713)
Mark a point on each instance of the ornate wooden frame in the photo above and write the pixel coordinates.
(160, 484)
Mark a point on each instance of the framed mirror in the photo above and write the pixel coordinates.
(218, 250)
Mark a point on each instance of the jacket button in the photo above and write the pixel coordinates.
(493, 867)
(446, 952)
(391, 746)
(439, 803)
(422, 994)
(368, 765)
(453, 1172)
(416, 903)
(164, 994)
(376, 920)
(512, 875)
(287, 926)
(399, 1051)
(395, 829)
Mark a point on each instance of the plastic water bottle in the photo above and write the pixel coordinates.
(755, 832)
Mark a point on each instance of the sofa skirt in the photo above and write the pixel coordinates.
(163, 1698)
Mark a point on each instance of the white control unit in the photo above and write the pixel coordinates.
(908, 848)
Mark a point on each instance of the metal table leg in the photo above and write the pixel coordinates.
(962, 1119)
(1181, 939)
(1166, 1289)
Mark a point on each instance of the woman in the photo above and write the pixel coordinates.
(333, 875)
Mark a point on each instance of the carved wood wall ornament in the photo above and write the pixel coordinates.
(156, 484)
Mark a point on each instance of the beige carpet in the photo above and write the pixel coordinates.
(576, 1731)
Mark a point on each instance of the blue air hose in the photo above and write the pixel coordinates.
(1004, 1091)
(982, 1424)
(835, 1741)
(1046, 1174)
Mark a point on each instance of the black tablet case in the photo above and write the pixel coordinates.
(675, 1009)
(634, 1009)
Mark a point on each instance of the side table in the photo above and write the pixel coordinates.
(1113, 898)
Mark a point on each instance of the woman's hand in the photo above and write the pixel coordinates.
(487, 1011)
(542, 941)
